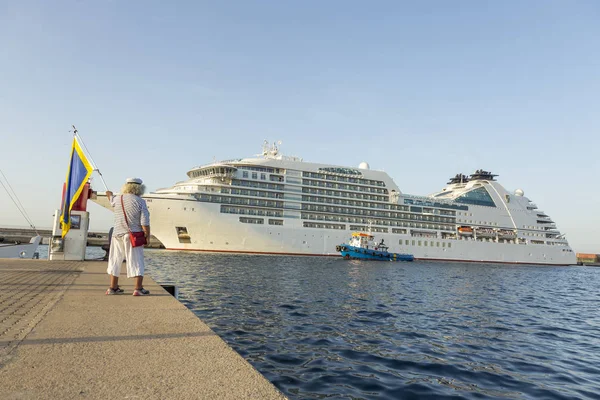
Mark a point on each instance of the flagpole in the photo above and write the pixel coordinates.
(76, 134)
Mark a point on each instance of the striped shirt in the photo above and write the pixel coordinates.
(137, 214)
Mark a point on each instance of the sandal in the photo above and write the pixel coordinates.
(117, 290)
(140, 292)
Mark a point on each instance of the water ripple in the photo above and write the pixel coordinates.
(320, 327)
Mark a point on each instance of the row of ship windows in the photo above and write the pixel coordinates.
(249, 192)
(276, 213)
(238, 200)
(325, 226)
(384, 222)
(213, 171)
(260, 221)
(308, 182)
(424, 243)
(262, 185)
(336, 178)
(533, 227)
(421, 225)
(250, 211)
(340, 170)
(355, 203)
(192, 188)
(377, 230)
(263, 177)
(426, 217)
(336, 193)
(314, 199)
(352, 227)
(374, 229)
(534, 234)
(262, 169)
(374, 213)
(272, 186)
(480, 222)
(496, 224)
(435, 211)
(310, 207)
(344, 210)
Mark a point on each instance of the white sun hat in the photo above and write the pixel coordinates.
(134, 180)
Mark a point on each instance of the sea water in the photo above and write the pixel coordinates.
(321, 327)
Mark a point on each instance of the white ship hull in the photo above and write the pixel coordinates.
(212, 231)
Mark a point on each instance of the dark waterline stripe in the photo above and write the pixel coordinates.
(337, 255)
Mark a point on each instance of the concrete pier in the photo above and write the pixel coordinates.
(62, 337)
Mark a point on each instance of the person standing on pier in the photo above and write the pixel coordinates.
(131, 215)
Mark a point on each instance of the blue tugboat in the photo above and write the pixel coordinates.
(362, 246)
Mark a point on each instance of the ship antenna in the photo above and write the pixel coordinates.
(265, 148)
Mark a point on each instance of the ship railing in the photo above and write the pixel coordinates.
(217, 163)
(220, 175)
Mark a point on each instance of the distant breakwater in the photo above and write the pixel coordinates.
(23, 235)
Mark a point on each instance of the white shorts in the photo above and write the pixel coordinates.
(120, 248)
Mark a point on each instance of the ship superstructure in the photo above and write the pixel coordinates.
(275, 204)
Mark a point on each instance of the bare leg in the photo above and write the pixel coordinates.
(114, 281)
(138, 282)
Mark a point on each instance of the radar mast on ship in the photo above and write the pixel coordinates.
(459, 178)
(483, 175)
(270, 150)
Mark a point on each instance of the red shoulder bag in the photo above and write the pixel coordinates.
(137, 238)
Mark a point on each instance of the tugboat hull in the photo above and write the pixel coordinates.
(358, 253)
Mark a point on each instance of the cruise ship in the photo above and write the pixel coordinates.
(277, 204)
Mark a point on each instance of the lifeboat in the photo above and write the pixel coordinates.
(465, 231)
(506, 234)
(485, 232)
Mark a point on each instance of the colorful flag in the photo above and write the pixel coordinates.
(77, 176)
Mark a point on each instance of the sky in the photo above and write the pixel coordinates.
(422, 90)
